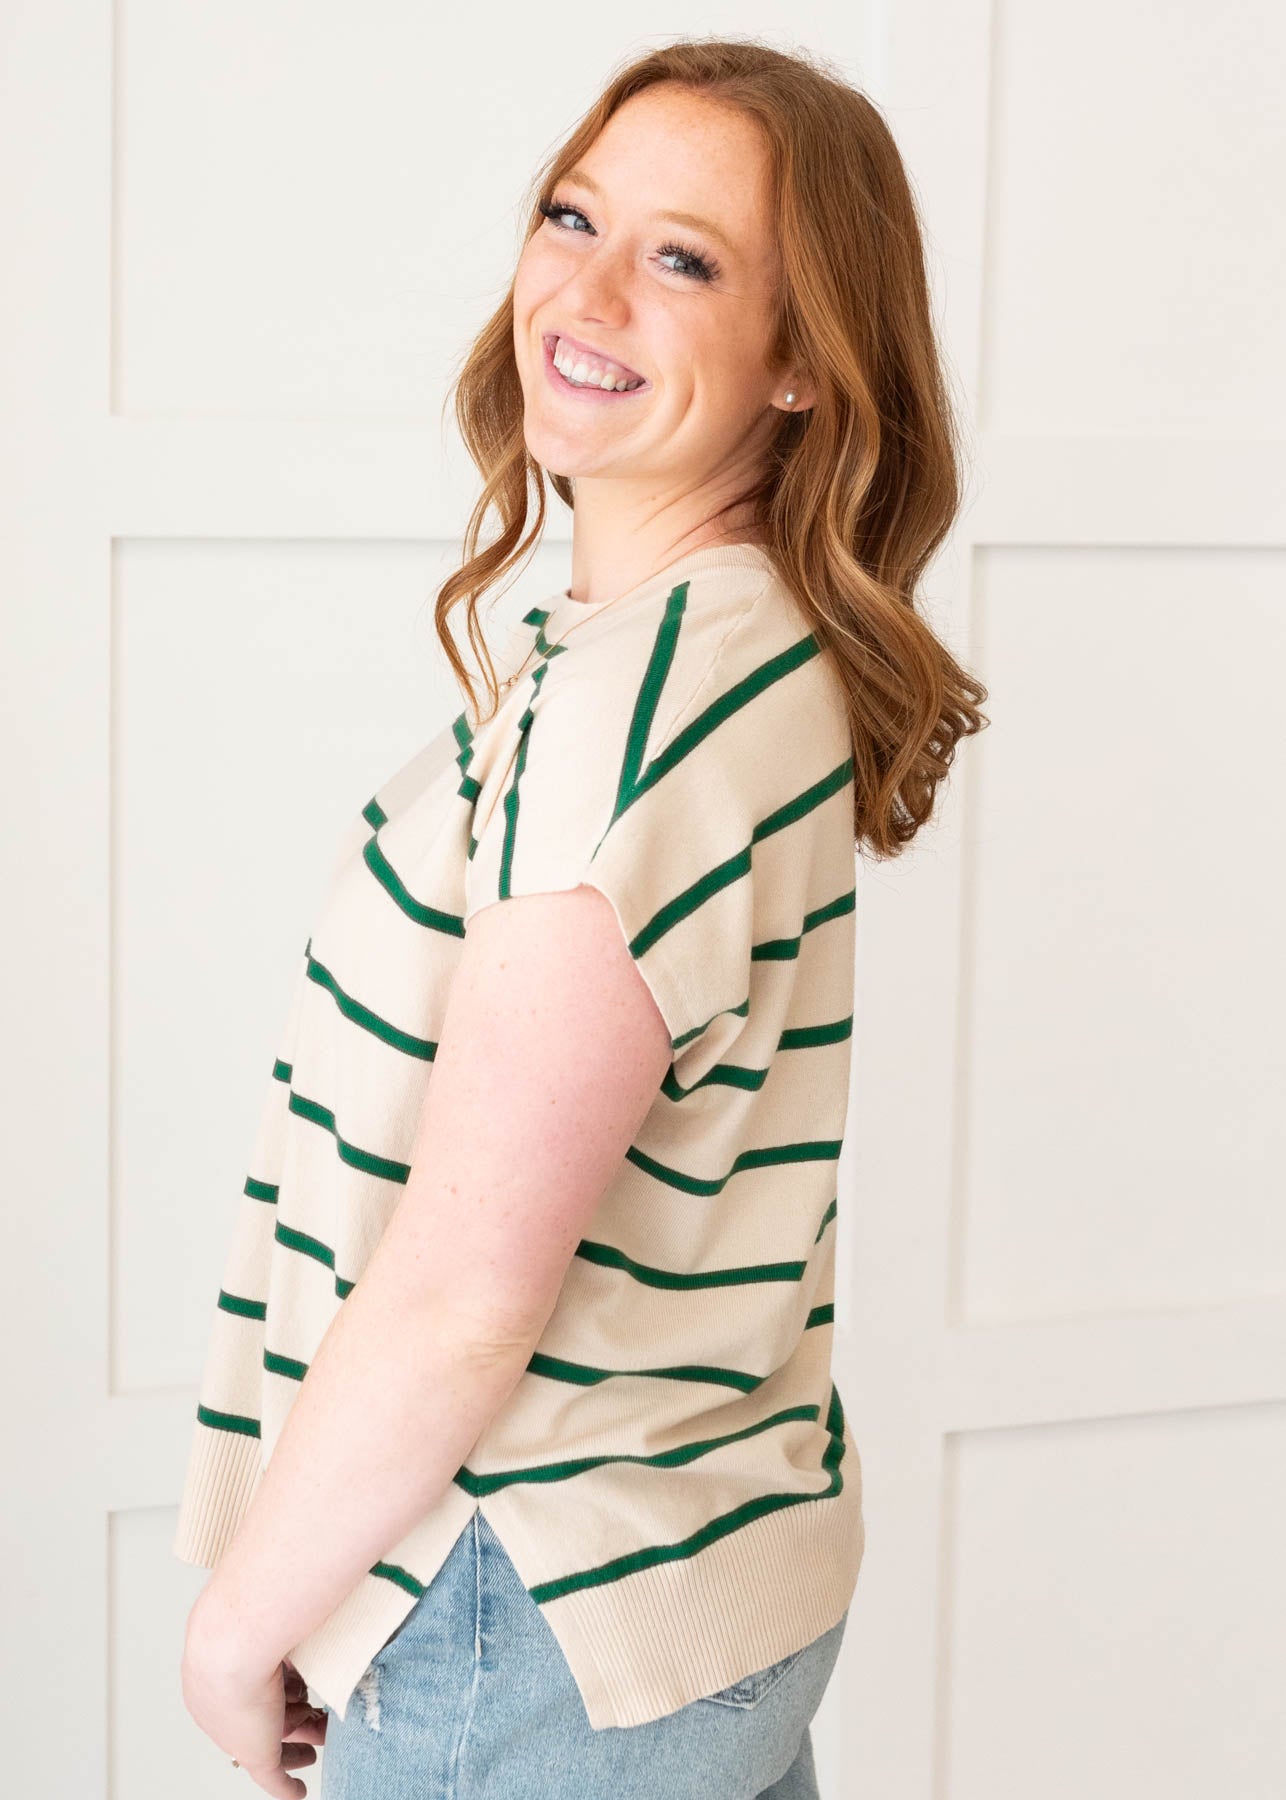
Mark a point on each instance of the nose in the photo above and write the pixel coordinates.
(599, 290)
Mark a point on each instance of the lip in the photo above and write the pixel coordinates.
(591, 394)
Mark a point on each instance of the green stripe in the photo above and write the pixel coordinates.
(237, 1303)
(603, 1256)
(810, 1150)
(558, 1368)
(381, 1028)
(686, 903)
(284, 1365)
(813, 796)
(470, 787)
(546, 648)
(233, 1422)
(821, 1315)
(786, 949)
(722, 1075)
(740, 694)
(400, 1576)
(648, 698)
(282, 1071)
(606, 1256)
(292, 1239)
(389, 879)
(512, 795)
(647, 1557)
(738, 1012)
(261, 1190)
(682, 1454)
(356, 1158)
(711, 1532)
(832, 1211)
(733, 868)
(374, 813)
(797, 1037)
(807, 1037)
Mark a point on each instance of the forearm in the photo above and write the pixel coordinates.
(397, 1395)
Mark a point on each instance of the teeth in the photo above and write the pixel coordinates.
(586, 373)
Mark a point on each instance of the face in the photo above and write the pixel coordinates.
(682, 309)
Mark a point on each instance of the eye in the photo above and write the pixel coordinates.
(700, 268)
(554, 209)
(703, 267)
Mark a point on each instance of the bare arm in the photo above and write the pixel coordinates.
(550, 1056)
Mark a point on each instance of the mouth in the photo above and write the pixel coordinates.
(594, 368)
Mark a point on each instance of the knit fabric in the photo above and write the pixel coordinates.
(672, 1476)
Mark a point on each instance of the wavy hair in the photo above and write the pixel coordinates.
(857, 492)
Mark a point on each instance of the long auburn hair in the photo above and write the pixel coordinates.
(859, 490)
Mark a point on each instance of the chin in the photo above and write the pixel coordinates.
(558, 453)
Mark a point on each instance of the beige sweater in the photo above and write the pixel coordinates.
(671, 1476)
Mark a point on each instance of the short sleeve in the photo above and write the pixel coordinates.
(705, 828)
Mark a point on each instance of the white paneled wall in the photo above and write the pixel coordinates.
(245, 247)
(1120, 1114)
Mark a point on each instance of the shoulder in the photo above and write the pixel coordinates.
(733, 638)
(765, 682)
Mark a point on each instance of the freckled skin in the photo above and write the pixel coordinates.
(651, 472)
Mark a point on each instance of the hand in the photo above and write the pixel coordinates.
(264, 1723)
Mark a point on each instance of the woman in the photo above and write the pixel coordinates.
(566, 1503)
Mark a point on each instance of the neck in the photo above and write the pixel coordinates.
(617, 545)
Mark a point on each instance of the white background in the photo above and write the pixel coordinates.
(244, 247)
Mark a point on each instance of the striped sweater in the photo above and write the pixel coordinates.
(672, 1476)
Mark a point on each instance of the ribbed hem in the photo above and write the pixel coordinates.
(222, 1475)
(638, 1648)
(650, 1643)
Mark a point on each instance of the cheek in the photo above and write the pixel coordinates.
(738, 371)
(540, 270)
(724, 376)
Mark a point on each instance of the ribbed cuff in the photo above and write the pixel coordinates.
(223, 1473)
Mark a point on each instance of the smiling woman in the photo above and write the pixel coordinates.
(604, 272)
(519, 1421)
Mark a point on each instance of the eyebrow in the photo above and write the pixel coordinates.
(691, 220)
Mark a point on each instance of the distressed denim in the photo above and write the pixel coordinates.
(472, 1699)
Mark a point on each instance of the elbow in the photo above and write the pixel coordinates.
(487, 1328)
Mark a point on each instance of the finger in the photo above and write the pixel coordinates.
(309, 1730)
(297, 1756)
(296, 1688)
(275, 1780)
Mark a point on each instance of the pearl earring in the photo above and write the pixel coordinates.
(790, 399)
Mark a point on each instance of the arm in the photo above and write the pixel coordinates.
(551, 1053)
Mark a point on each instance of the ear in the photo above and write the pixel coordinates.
(799, 385)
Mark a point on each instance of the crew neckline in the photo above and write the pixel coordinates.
(563, 608)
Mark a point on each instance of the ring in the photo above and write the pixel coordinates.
(235, 1763)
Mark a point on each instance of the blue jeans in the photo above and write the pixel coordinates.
(472, 1699)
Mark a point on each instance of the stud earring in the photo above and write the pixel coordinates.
(790, 399)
